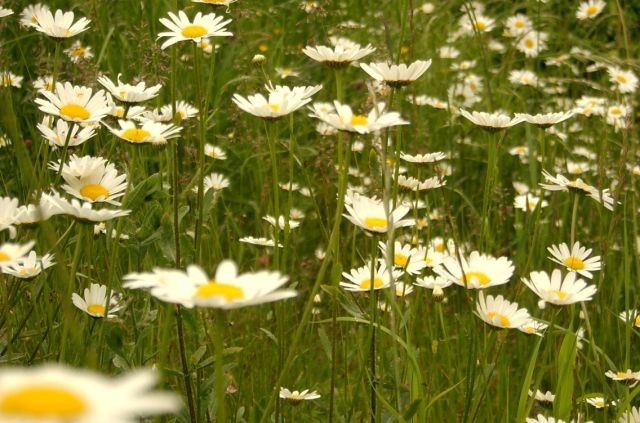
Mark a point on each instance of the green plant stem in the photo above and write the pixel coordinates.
(218, 340)
(202, 129)
(186, 373)
(63, 157)
(373, 317)
(269, 128)
(574, 218)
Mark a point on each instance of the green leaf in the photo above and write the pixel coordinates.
(563, 403)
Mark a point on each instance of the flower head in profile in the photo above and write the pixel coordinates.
(540, 396)
(144, 132)
(632, 315)
(5, 12)
(298, 396)
(203, 26)
(279, 102)
(28, 267)
(590, 9)
(215, 2)
(343, 52)
(436, 284)
(561, 183)
(58, 393)
(575, 259)
(632, 415)
(501, 313)
(491, 121)
(260, 241)
(533, 327)
(129, 93)
(81, 211)
(94, 302)
(545, 120)
(344, 119)
(528, 202)
(11, 253)
(74, 103)
(628, 376)
(369, 214)
(557, 290)
(396, 75)
(10, 79)
(56, 134)
(58, 25)
(478, 271)
(368, 277)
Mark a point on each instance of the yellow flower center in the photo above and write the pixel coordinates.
(621, 79)
(27, 271)
(479, 277)
(366, 283)
(42, 402)
(4, 256)
(135, 134)
(439, 247)
(574, 262)
(75, 111)
(275, 108)
(529, 43)
(599, 403)
(637, 321)
(214, 289)
(375, 222)
(78, 51)
(504, 320)
(616, 111)
(194, 31)
(97, 309)
(530, 329)
(214, 1)
(621, 375)
(428, 260)
(560, 294)
(481, 25)
(358, 120)
(519, 24)
(400, 260)
(94, 191)
(592, 10)
(263, 48)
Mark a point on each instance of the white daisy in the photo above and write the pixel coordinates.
(556, 290)
(528, 202)
(81, 211)
(533, 327)
(547, 119)
(128, 93)
(434, 283)
(532, 43)
(369, 214)
(29, 15)
(396, 75)
(590, 9)
(344, 119)
(491, 121)
(623, 81)
(423, 158)
(8, 215)
(5, 12)
(214, 152)
(11, 253)
(296, 396)
(56, 135)
(281, 222)
(146, 131)
(74, 103)
(344, 52)
(501, 313)
(263, 242)
(280, 101)
(632, 315)
(28, 267)
(370, 276)
(203, 26)
(94, 302)
(561, 183)
(540, 396)
(575, 259)
(60, 25)
(9, 79)
(405, 257)
(78, 52)
(478, 271)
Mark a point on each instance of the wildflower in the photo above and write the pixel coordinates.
(369, 214)
(575, 260)
(599, 402)
(396, 75)
(624, 81)
(128, 93)
(423, 158)
(286, 72)
(8, 215)
(60, 25)
(74, 103)
(479, 271)
(417, 185)
(547, 119)
(215, 2)
(94, 302)
(203, 26)
(296, 396)
(628, 376)
(148, 132)
(556, 290)
(517, 25)
(28, 267)
(523, 77)
(214, 152)
(55, 393)
(561, 183)
(9, 79)
(344, 119)
(404, 257)
(11, 253)
(542, 396)
(280, 101)
(81, 211)
(58, 134)
(29, 15)
(183, 110)
(435, 283)
(533, 327)
(344, 51)
(590, 9)
(491, 121)
(628, 315)
(532, 43)
(78, 52)
(631, 415)
(477, 22)
(214, 181)
(263, 242)
(281, 222)
(5, 12)
(370, 276)
(528, 202)
(448, 52)
(92, 179)
(501, 313)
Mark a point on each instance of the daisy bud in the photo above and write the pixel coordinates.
(258, 59)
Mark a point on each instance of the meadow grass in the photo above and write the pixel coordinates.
(372, 355)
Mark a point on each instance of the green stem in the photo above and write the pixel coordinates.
(186, 373)
(574, 218)
(269, 129)
(65, 148)
(202, 129)
(221, 409)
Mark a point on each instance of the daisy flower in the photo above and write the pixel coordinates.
(10, 252)
(628, 376)
(263, 242)
(405, 257)
(214, 152)
(533, 327)
(344, 51)
(501, 313)
(128, 93)
(590, 9)
(74, 103)
(369, 214)
(556, 290)
(78, 52)
(478, 271)
(547, 119)
(625, 82)
(145, 132)
(58, 25)
(542, 396)
(8, 214)
(423, 158)
(281, 222)
(280, 101)
(532, 43)
(286, 72)
(94, 302)
(631, 415)
(28, 16)
(56, 135)
(203, 26)
(523, 77)
(44, 83)
(9, 79)
(396, 75)
(435, 283)
(56, 393)
(517, 25)
(81, 211)
(168, 285)
(215, 2)
(561, 183)
(296, 396)
(5, 12)
(344, 119)
(28, 267)
(575, 260)
(633, 315)
(491, 121)
(365, 278)
(215, 181)
(478, 22)
(528, 202)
